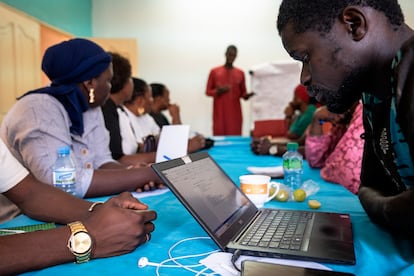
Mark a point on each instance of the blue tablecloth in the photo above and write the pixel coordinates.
(377, 253)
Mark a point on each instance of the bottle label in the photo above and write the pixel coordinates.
(64, 177)
(292, 164)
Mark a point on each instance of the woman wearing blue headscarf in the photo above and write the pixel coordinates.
(68, 112)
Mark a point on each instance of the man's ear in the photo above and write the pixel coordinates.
(355, 20)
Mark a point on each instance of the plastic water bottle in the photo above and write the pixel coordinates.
(64, 171)
(293, 166)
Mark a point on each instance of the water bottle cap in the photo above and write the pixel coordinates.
(292, 146)
(63, 150)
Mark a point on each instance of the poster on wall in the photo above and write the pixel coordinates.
(273, 83)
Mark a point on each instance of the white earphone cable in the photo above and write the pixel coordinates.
(178, 264)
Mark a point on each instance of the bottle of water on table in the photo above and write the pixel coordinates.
(64, 171)
(292, 166)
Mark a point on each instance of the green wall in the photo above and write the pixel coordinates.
(72, 16)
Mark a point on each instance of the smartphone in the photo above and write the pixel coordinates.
(254, 268)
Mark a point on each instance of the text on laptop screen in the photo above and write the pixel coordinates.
(202, 184)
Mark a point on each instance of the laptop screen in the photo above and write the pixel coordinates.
(208, 193)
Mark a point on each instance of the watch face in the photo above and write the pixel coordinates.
(273, 149)
(81, 242)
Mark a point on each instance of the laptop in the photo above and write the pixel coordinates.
(229, 217)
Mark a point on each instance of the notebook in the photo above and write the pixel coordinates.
(26, 228)
(228, 216)
(173, 142)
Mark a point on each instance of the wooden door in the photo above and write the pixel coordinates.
(50, 36)
(127, 47)
(19, 56)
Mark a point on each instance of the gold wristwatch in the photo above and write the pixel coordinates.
(273, 149)
(80, 242)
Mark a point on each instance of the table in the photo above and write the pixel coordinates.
(377, 253)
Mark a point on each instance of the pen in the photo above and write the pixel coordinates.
(166, 157)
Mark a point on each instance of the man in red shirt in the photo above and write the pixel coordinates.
(226, 84)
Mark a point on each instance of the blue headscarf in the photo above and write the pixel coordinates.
(67, 64)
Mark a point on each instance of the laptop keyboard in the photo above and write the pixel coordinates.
(278, 229)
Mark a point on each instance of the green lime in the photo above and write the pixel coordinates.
(299, 195)
(314, 204)
(282, 195)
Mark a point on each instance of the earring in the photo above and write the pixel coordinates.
(91, 95)
(140, 111)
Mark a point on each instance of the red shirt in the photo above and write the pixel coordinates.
(227, 114)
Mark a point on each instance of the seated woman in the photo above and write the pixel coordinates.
(338, 152)
(68, 113)
(121, 91)
(160, 103)
(135, 121)
(298, 116)
(299, 113)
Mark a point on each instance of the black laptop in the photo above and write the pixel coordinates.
(230, 218)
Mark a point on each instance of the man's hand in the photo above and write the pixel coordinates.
(249, 95)
(119, 226)
(196, 143)
(222, 89)
(290, 110)
(261, 145)
(174, 111)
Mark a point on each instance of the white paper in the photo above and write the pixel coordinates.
(173, 142)
(150, 193)
(275, 171)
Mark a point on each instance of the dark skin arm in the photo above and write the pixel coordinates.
(260, 146)
(249, 95)
(295, 104)
(196, 143)
(137, 159)
(321, 114)
(113, 178)
(383, 204)
(289, 113)
(222, 89)
(114, 229)
(174, 111)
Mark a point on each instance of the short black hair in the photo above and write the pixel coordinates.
(122, 72)
(157, 89)
(139, 89)
(319, 15)
(231, 47)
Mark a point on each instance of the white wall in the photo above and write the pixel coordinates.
(179, 41)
